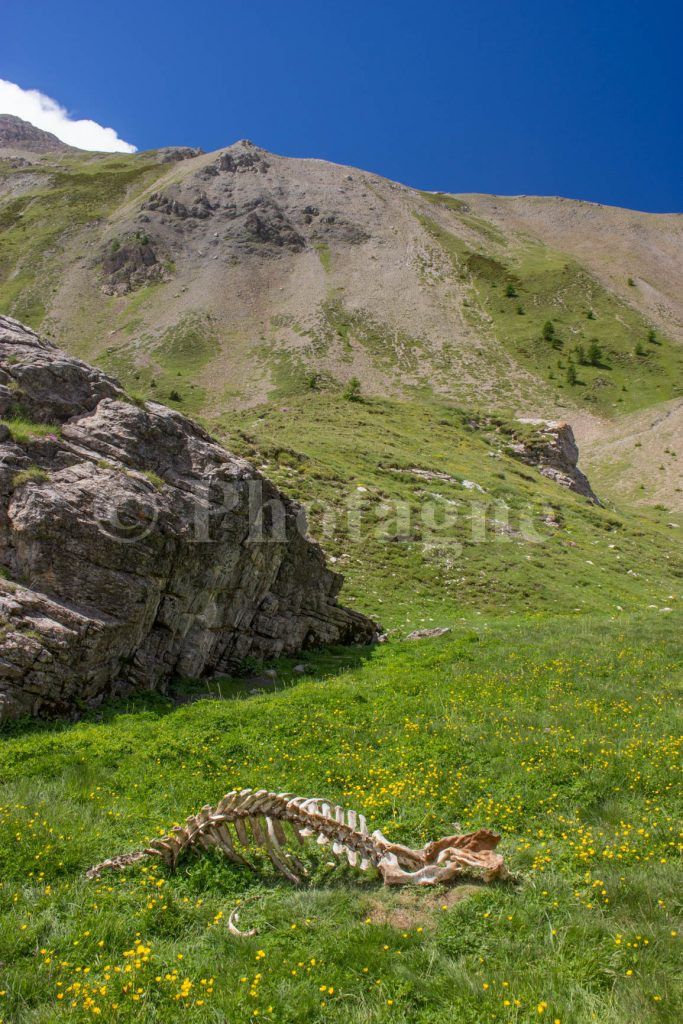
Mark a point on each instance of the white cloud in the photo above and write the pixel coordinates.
(45, 113)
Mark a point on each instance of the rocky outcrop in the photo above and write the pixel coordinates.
(552, 448)
(201, 207)
(133, 547)
(238, 207)
(175, 154)
(130, 265)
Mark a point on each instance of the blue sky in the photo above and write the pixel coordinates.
(581, 99)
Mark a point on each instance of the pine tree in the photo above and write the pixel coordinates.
(595, 354)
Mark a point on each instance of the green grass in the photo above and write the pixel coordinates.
(387, 348)
(173, 362)
(557, 731)
(34, 474)
(339, 332)
(324, 255)
(23, 430)
(444, 199)
(488, 232)
(157, 481)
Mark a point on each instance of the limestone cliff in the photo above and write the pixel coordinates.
(134, 548)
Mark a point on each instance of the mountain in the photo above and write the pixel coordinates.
(20, 137)
(222, 281)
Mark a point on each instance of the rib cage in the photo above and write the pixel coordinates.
(247, 818)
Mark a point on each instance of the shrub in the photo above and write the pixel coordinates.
(639, 350)
(652, 337)
(631, 283)
(352, 390)
(511, 291)
(175, 396)
(520, 310)
(572, 378)
(590, 315)
(550, 335)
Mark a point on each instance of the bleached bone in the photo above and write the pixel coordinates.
(266, 813)
(246, 933)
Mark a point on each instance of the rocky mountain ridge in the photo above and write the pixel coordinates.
(22, 136)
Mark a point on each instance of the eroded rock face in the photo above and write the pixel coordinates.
(135, 548)
(17, 134)
(129, 266)
(554, 450)
(237, 206)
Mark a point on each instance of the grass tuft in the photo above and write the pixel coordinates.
(34, 474)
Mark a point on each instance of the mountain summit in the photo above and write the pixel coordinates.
(19, 135)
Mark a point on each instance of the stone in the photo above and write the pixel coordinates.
(424, 634)
(135, 548)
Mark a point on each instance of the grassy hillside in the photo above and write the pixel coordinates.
(553, 315)
(486, 533)
(45, 209)
(557, 731)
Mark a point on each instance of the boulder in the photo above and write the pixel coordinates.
(133, 547)
(554, 451)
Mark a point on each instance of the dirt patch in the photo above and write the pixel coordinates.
(415, 908)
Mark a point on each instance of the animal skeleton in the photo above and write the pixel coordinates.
(266, 814)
